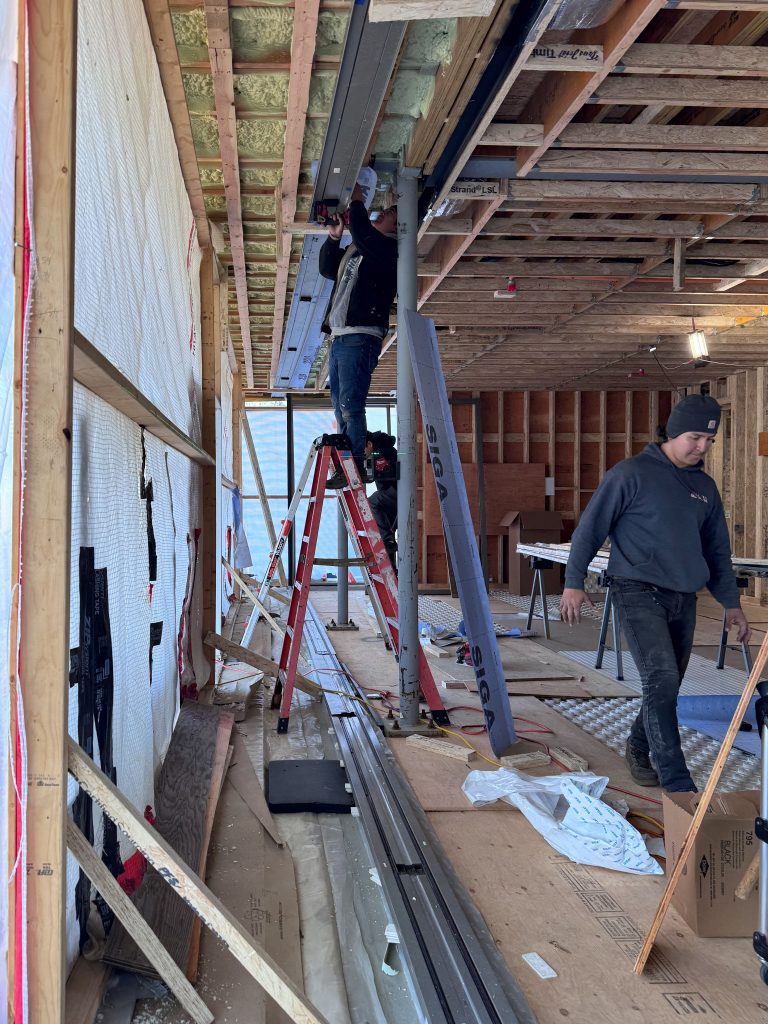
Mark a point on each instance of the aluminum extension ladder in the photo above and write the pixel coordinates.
(374, 562)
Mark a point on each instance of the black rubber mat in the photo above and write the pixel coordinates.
(318, 786)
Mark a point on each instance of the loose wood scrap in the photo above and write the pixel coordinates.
(703, 805)
(196, 753)
(442, 747)
(85, 989)
(567, 758)
(534, 759)
(221, 761)
(135, 925)
(266, 665)
(184, 882)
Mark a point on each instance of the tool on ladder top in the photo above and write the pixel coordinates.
(375, 564)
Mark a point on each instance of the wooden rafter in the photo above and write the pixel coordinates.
(161, 30)
(220, 53)
(666, 59)
(305, 16)
(562, 94)
(535, 32)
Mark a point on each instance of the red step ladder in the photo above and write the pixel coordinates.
(377, 571)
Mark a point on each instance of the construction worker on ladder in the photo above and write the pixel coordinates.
(366, 283)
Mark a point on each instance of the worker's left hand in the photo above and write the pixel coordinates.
(357, 194)
(736, 617)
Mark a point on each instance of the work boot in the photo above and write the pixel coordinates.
(640, 767)
(337, 481)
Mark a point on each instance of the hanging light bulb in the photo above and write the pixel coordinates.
(698, 343)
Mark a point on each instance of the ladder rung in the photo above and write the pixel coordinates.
(297, 584)
(289, 631)
(392, 622)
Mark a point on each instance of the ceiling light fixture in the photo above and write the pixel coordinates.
(698, 343)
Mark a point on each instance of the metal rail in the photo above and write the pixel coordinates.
(454, 969)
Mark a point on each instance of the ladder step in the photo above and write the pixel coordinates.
(297, 584)
(289, 631)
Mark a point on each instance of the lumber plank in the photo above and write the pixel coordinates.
(221, 760)
(443, 748)
(533, 759)
(161, 30)
(85, 989)
(45, 526)
(682, 92)
(673, 59)
(500, 133)
(181, 805)
(701, 809)
(596, 227)
(639, 161)
(94, 371)
(136, 926)
(184, 881)
(220, 53)
(744, 139)
(265, 509)
(266, 665)
(252, 597)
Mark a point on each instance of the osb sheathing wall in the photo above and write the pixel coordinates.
(577, 435)
(740, 471)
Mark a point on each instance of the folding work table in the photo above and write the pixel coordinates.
(545, 556)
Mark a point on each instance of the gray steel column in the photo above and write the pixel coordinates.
(407, 594)
(342, 587)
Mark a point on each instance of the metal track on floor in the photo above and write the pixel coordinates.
(455, 971)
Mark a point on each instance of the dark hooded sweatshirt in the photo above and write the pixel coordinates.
(666, 526)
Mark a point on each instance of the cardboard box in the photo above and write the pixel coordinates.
(723, 850)
(527, 527)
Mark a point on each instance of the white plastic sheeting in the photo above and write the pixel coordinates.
(137, 261)
(7, 159)
(568, 812)
(137, 300)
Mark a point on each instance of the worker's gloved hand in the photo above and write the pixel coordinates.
(736, 617)
(335, 227)
(571, 602)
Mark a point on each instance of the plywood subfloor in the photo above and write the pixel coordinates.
(587, 923)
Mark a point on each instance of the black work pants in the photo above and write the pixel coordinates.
(658, 625)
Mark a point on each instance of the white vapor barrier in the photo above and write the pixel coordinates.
(7, 157)
(227, 468)
(109, 515)
(137, 260)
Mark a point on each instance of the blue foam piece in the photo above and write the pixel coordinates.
(712, 716)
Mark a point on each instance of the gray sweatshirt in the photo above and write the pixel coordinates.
(666, 526)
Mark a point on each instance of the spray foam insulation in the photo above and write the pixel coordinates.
(314, 136)
(260, 139)
(205, 135)
(430, 43)
(331, 29)
(260, 248)
(321, 92)
(191, 35)
(261, 33)
(393, 135)
(260, 175)
(265, 91)
(215, 204)
(198, 89)
(211, 176)
(411, 94)
(259, 206)
(266, 228)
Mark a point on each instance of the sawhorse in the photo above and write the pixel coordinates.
(609, 614)
(742, 582)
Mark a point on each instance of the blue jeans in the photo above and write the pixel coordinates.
(351, 365)
(658, 625)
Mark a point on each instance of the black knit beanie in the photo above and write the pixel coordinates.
(698, 414)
